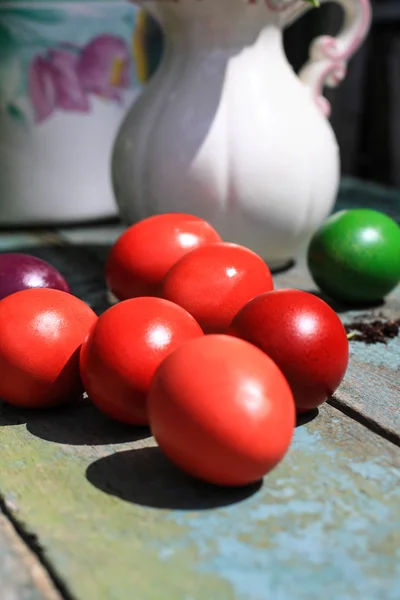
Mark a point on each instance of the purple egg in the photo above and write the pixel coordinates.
(21, 272)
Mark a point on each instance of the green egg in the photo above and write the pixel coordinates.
(355, 256)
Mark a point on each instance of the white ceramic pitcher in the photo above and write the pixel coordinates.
(227, 131)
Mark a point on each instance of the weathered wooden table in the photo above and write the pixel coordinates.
(91, 510)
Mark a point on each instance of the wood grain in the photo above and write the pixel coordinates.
(22, 577)
(117, 521)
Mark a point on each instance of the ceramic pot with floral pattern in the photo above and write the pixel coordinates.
(69, 71)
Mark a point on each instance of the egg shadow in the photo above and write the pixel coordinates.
(306, 417)
(343, 307)
(284, 268)
(81, 424)
(9, 415)
(146, 477)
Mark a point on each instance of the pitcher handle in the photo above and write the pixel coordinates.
(327, 64)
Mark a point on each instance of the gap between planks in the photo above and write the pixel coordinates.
(27, 546)
(367, 422)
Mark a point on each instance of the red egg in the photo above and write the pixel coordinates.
(304, 337)
(41, 331)
(123, 351)
(214, 282)
(221, 410)
(146, 251)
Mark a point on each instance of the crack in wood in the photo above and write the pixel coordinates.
(367, 422)
(43, 574)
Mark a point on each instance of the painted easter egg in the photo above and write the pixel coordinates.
(221, 410)
(303, 336)
(213, 283)
(41, 332)
(145, 252)
(355, 256)
(20, 272)
(124, 349)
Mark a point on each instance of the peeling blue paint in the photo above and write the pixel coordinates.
(385, 355)
(371, 470)
(327, 540)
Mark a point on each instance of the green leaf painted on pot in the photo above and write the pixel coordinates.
(10, 77)
(16, 114)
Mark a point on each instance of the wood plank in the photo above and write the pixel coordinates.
(373, 392)
(21, 575)
(13, 241)
(355, 193)
(99, 235)
(117, 521)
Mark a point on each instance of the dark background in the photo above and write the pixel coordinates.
(366, 107)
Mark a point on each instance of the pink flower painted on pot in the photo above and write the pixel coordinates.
(54, 83)
(70, 93)
(63, 78)
(103, 67)
(41, 88)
